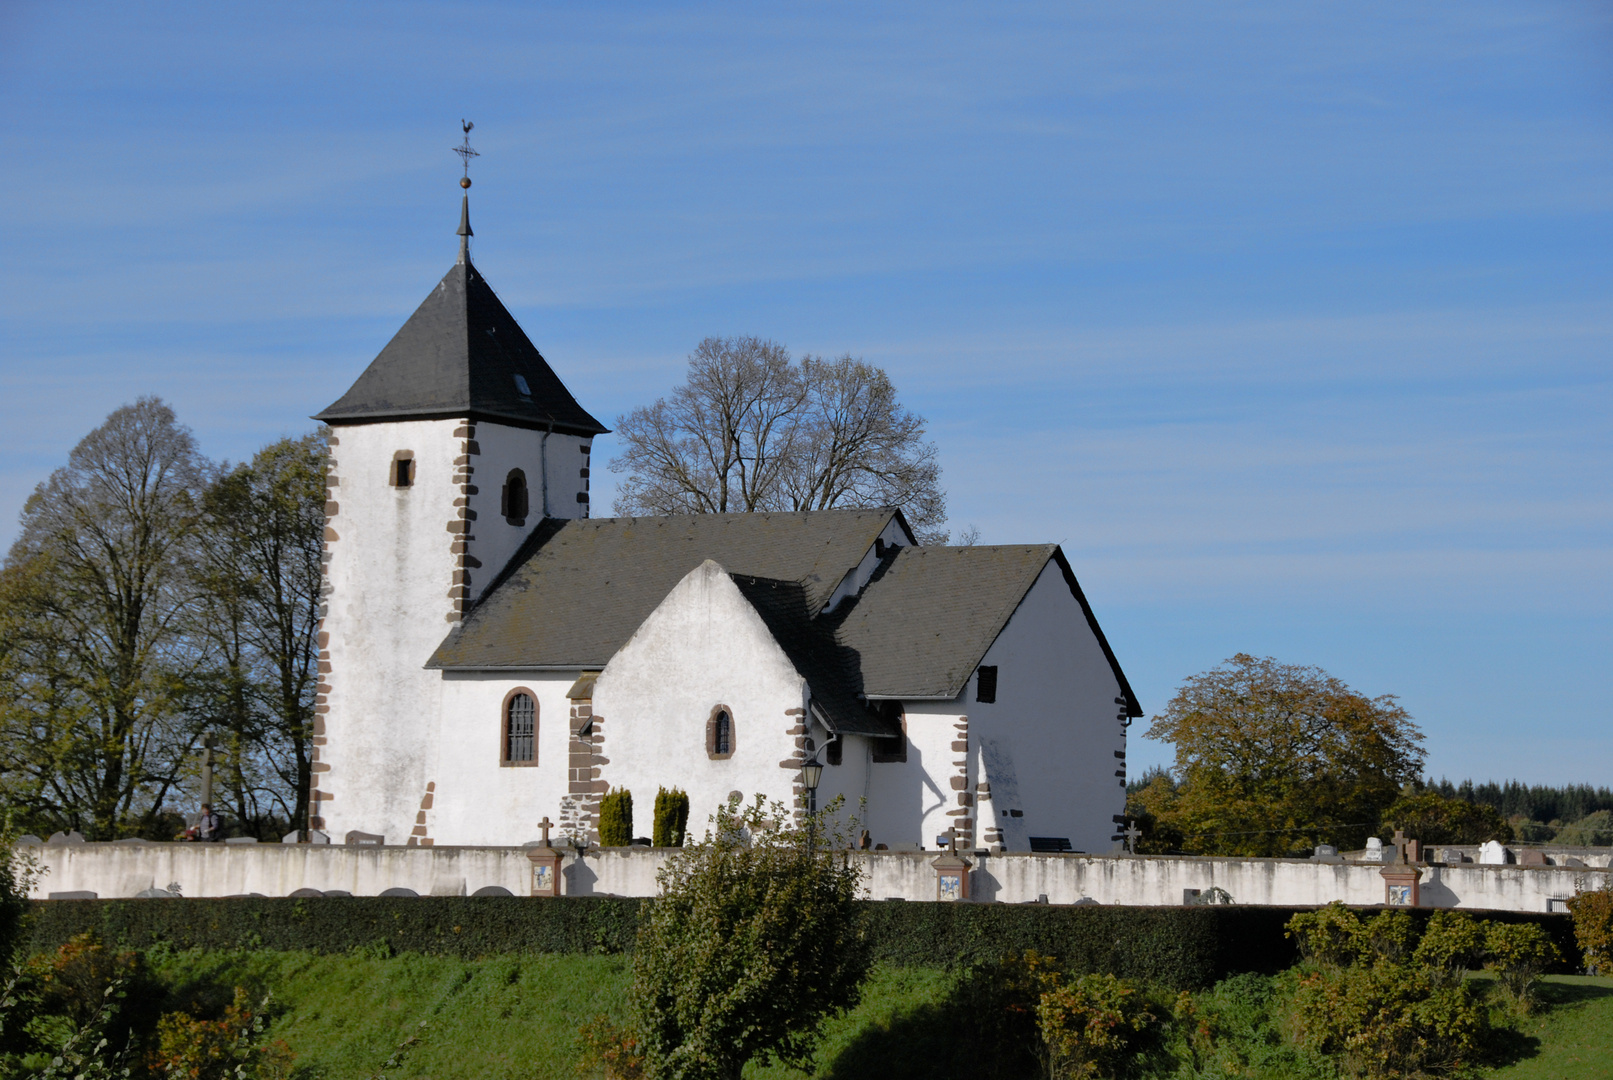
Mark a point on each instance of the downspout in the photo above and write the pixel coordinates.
(543, 464)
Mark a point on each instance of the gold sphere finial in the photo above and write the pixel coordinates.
(465, 183)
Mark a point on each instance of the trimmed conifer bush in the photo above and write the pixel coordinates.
(671, 817)
(616, 819)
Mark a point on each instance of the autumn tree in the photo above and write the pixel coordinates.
(750, 430)
(259, 569)
(97, 599)
(1271, 757)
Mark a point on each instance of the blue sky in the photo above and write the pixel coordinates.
(1291, 322)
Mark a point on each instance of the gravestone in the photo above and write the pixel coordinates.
(337, 892)
(57, 839)
(1492, 853)
(74, 894)
(492, 890)
(1326, 853)
(155, 894)
(241, 840)
(1532, 857)
(292, 837)
(133, 840)
(306, 893)
(364, 839)
(1085, 901)
(317, 837)
(1374, 849)
(29, 840)
(398, 890)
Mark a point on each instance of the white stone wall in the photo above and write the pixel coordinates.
(121, 870)
(1052, 736)
(478, 800)
(388, 576)
(703, 646)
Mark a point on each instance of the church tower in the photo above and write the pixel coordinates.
(447, 452)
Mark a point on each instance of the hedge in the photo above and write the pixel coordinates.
(1182, 947)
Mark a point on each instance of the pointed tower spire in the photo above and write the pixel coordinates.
(464, 230)
(465, 154)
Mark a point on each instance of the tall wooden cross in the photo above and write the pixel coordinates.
(545, 825)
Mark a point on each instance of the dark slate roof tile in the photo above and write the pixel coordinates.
(458, 355)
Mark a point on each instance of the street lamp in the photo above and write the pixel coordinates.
(811, 773)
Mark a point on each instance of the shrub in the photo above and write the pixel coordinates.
(1089, 1026)
(1453, 943)
(1388, 1019)
(671, 818)
(1329, 935)
(753, 942)
(232, 1047)
(616, 818)
(1519, 953)
(19, 868)
(1593, 927)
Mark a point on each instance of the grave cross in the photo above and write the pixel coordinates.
(1132, 834)
(1401, 843)
(545, 825)
(952, 838)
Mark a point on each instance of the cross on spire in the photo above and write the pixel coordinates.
(465, 154)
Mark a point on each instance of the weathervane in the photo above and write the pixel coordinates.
(465, 152)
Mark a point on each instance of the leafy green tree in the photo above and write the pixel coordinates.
(1592, 830)
(753, 942)
(97, 593)
(1271, 757)
(1434, 819)
(260, 573)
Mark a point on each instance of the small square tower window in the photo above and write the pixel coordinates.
(986, 684)
(403, 469)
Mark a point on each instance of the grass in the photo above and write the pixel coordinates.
(1574, 1032)
(516, 1017)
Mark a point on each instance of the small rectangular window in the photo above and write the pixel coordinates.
(405, 472)
(986, 684)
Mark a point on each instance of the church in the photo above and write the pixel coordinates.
(492, 655)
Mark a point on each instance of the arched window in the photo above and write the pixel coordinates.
(892, 748)
(520, 728)
(514, 500)
(720, 734)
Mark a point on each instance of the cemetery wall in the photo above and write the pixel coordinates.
(128, 869)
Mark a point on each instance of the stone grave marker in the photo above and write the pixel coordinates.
(364, 839)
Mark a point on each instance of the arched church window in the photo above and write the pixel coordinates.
(514, 500)
(720, 734)
(520, 728)
(892, 748)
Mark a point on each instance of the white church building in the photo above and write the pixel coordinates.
(491, 655)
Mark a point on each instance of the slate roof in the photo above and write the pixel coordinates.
(577, 590)
(458, 356)
(925, 621)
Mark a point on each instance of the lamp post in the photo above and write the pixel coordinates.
(811, 774)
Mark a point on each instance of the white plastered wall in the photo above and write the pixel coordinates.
(703, 646)
(388, 576)
(1052, 736)
(479, 800)
(390, 569)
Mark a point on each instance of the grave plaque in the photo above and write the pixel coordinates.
(1402, 877)
(364, 839)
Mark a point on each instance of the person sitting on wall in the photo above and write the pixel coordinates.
(209, 829)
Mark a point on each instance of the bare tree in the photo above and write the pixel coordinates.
(260, 570)
(98, 597)
(750, 430)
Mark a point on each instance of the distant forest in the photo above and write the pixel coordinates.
(1531, 802)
